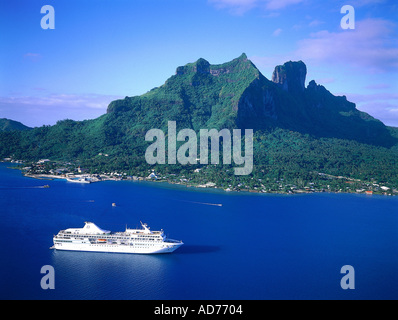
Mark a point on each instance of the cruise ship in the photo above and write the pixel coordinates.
(93, 238)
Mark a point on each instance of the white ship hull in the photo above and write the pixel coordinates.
(163, 248)
(94, 239)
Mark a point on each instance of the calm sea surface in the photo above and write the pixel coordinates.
(252, 247)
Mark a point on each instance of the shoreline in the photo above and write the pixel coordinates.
(199, 187)
(367, 188)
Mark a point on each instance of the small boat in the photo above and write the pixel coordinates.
(113, 204)
(78, 180)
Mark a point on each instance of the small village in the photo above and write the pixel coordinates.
(45, 169)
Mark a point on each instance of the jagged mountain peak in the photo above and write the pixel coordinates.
(291, 76)
(202, 66)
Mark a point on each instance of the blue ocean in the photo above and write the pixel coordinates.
(253, 247)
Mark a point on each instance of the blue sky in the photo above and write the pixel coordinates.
(101, 50)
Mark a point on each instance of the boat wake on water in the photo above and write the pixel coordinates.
(204, 203)
(33, 187)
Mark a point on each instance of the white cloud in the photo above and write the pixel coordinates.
(371, 46)
(362, 3)
(383, 111)
(382, 106)
(378, 86)
(242, 6)
(236, 6)
(280, 4)
(37, 111)
(315, 23)
(277, 32)
(92, 101)
(34, 57)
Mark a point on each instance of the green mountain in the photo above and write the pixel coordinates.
(10, 125)
(237, 95)
(198, 96)
(298, 130)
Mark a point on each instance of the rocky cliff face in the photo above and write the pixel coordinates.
(290, 76)
(200, 66)
(257, 106)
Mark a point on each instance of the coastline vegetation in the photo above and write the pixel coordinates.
(284, 162)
